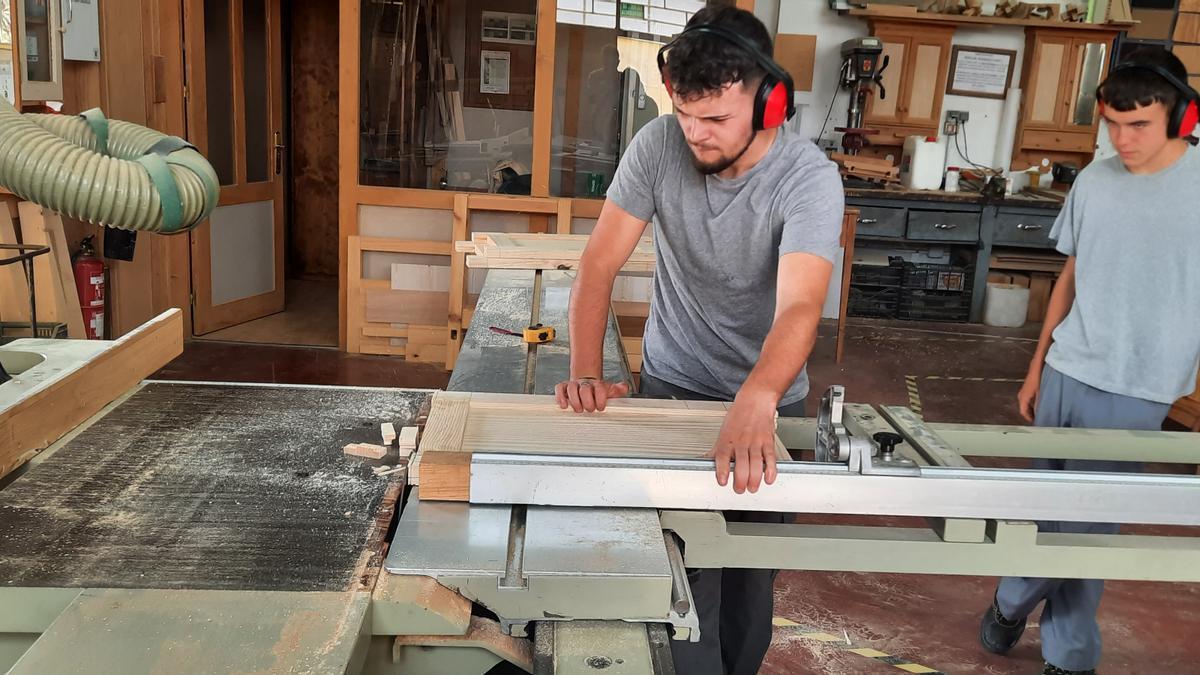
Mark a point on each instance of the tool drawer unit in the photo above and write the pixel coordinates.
(961, 221)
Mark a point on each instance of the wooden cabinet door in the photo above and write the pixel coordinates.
(890, 110)
(928, 65)
(1045, 98)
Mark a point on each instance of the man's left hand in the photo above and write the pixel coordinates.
(747, 439)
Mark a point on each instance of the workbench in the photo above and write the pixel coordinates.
(913, 217)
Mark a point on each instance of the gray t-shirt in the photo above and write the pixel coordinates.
(718, 245)
(1134, 328)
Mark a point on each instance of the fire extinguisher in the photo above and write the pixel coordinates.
(89, 282)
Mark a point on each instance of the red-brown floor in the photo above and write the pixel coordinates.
(926, 620)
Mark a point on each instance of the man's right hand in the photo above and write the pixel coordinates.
(1027, 397)
(588, 394)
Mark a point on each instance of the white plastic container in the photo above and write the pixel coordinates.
(1005, 305)
(921, 163)
(952, 179)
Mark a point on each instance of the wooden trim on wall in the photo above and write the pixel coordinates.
(349, 28)
(543, 96)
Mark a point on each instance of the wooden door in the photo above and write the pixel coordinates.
(233, 51)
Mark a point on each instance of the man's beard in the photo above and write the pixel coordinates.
(722, 163)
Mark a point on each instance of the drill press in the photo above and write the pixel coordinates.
(862, 70)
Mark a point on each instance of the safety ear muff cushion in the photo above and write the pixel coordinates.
(775, 111)
(1189, 119)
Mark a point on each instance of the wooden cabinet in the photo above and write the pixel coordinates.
(1062, 69)
(38, 57)
(915, 79)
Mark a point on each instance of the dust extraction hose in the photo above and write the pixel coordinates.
(106, 172)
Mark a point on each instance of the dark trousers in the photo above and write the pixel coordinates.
(735, 606)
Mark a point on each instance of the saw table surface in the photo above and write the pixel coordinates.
(207, 487)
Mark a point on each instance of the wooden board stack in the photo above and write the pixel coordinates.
(464, 423)
(507, 250)
(867, 168)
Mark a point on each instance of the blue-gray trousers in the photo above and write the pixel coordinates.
(1070, 634)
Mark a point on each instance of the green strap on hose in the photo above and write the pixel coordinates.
(99, 124)
(155, 163)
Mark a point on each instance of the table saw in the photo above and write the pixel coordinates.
(208, 527)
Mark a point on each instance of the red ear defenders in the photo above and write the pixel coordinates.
(1183, 118)
(774, 102)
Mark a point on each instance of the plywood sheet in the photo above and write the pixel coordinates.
(797, 54)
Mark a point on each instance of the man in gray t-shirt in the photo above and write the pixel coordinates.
(1121, 340)
(747, 218)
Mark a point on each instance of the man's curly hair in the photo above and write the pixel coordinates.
(699, 64)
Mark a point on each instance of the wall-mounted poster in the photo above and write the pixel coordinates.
(494, 68)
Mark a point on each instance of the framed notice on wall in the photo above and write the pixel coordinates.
(494, 70)
(980, 71)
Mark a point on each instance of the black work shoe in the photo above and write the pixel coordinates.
(1051, 669)
(998, 634)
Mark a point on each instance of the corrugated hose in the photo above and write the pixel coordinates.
(104, 171)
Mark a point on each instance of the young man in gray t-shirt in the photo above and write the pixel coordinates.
(747, 218)
(1121, 339)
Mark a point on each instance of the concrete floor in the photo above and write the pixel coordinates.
(925, 620)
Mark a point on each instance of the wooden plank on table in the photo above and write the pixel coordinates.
(14, 289)
(472, 423)
(39, 420)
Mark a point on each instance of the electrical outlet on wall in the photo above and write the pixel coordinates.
(954, 120)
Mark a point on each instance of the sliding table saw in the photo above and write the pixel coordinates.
(216, 527)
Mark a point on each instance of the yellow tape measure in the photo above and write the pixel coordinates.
(539, 334)
(536, 334)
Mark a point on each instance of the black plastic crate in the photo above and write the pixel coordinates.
(936, 277)
(873, 301)
(922, 305)
(876, 275)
